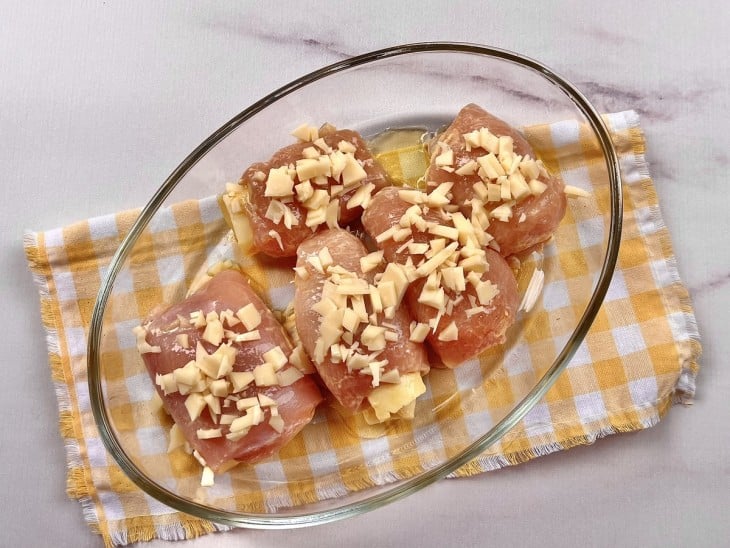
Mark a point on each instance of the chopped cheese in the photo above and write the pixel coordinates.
(475, 263)
(266, 401)
(353, 172)
(322, 144)
(188, 375)
(448, 232)
(505, 191)
(316, 217)
(518, 187)
(318, 200)
(490, 166)
(311, 168)
(412, 196)
(265, 375)
(143, 347)
(195, 404)
(247, 337)
(242, 424)
(370, 261)
(304, 191)
(388, 399)
(288, 376)
(183, 340)
(494, 192)
(166, 383)
(279, 183)
(325, 258)
(277, 423)
(434, 298)
(401, 234)
(298, 358)
(275, 211)
(207, 479)
(373, 337)
(575, 192)
(305, 132)
(418, 248)
(353, 286)
(529, 168)
(275, 357)
(488, 141)
(361, 196)
(257, 414)
(453, 278)
(227, 419)
(388, 293)
(346, 146)
(534, 288)
(350, 320)
(437, 260)
(177, 438)
(197, 318)
(505, 145)
(502, 212)
(419, 331)
(449, 333)
(395, 273)
(392, 376)
(213, 404)
(301, 272)
(249, 316)
(472, 140)
(486, 291)
(240, 379)
(246, 403)
(213, 331)
(375, 301)
(208, 433)
(439, 196)
(446, 158)
(468, 168)
(332, 214)
(474, 311)
(219, 388)
(481, 190)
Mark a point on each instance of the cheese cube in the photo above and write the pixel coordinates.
(265, 375)
(249, 316)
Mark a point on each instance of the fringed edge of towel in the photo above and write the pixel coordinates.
(677, 299)
(140, 530)
(79, 484)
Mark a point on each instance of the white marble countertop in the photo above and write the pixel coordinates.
(94, 96)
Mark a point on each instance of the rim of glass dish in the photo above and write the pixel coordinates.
(405, 487)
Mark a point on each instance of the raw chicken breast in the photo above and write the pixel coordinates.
(480, 331)
(534, 218)
(179, 342)
(479, 324)
(273, 237)
(350, 387)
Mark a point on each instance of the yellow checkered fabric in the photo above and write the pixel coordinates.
(639, 357)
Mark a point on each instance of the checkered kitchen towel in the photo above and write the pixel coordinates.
(639, 357)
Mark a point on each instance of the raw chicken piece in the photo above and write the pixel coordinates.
(480, 331)
(534, 218)
(476, 333)
(168, 330)
(275, 239)
(351, 389)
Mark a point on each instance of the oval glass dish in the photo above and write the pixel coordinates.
(336, 468)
